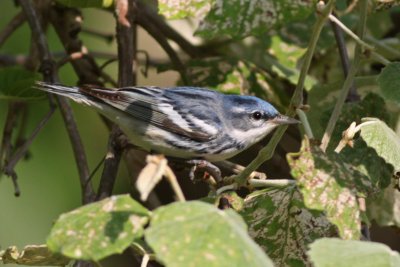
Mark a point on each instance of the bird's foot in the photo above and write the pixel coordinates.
(207, 166)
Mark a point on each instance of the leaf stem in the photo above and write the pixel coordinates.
(350, 33)
(297, 98)
(304, 121)
(349, 79)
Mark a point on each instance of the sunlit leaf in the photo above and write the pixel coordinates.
(370, 164)
(242, 18)
(327, 252)
(199, 234)
(331, 185)
(178, 9)
(16, 84)
(281, 224)
(98, 230)
(384, 140)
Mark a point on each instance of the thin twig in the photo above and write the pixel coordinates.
(356, 38)
(11, 27)
(111, 164)
(169, 174)
(271, 182)
(21, 151)
(297, 98)
(49, 73)
(349, 79)
(126, 52)
(158, 35)
(344, 58)
(305, 123)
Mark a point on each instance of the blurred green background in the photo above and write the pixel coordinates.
(49, 180)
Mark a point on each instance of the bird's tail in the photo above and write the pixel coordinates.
(71, 92)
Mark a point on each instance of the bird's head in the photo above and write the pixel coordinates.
(251, 118)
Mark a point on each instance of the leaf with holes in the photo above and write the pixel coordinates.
(329, 184)
(328, 252)
(199, 234)
(237, 18)
(87, 3)
(179, 9)
(32, 255)
(384, 140)
(281, 224)
(16, 84)
(99, 229)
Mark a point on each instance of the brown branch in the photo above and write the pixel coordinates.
(126, 40)
(11, 27)
(48, 68)
(344, 58)
(159, 36)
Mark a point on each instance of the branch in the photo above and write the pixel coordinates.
(49, 74)
(297, 98)
(344, 58)
(11, 27)
(159, 36)
(126, 40)
(349, 79)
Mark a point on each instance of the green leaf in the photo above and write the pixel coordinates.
(199, 234)
(331, 185)
(385, 207)
(16, 84)
(237, 18)
(98, 230)
(384, 140)
(389, 82)
(179, 9)
(287, 56)
(86, 3)
(32, 255)
(329, 252)
(371, 164)
(281, 224)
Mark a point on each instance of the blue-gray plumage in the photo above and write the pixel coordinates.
(183, 122)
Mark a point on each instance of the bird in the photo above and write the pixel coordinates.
(180, 122)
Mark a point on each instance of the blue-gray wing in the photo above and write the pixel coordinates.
(187, 112)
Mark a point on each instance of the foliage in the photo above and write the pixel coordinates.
(282, 51)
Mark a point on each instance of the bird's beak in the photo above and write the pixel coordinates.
(282, 119)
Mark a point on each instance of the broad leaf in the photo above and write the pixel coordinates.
(370, 164)
(238, 18)
(98, 230)
(32, 255)
(384, 140)
(327, 252)
(179, 9)
(199, 234)
(86, 3)
(281, 224)
(331, 185)
(389, 81)
(16, 84)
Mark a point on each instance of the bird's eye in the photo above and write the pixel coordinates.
(256, 115)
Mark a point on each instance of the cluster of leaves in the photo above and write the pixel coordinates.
(290, 226)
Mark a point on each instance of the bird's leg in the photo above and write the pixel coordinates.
(210, 168)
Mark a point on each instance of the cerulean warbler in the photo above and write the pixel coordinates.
(182, 122)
